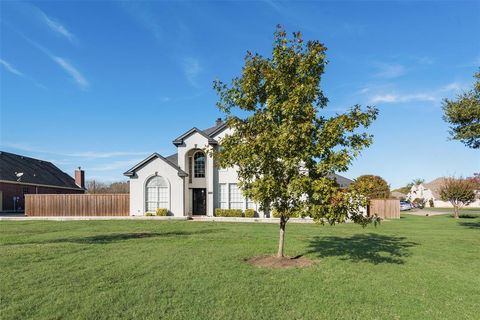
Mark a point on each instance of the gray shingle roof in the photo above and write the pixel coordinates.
(34, 171)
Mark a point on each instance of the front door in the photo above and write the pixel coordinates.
(199, 201)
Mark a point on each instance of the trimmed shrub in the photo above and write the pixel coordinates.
(149, 214)
(228, 212)
(162, 212)
(430, 202)
(249, 213)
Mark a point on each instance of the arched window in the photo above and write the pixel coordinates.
(199, 164)
(157, 194)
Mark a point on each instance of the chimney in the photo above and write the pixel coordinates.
(80, 178)
(218, 122)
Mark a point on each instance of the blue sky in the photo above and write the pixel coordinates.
(104, 84)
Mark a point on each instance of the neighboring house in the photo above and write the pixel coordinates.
(398, 195)
(188, 182)
(431, 191)
(20, 175)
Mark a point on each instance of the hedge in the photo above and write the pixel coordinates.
(162, 212)
(228, 212)
(249, 213)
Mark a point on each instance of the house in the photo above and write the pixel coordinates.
(431, 191)
(188, 182)
(398, 195)
(20, 175)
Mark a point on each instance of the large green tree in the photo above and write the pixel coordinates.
(284, 148)
(463, 115)
(371, 187)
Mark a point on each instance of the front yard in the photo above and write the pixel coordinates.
(412, 268)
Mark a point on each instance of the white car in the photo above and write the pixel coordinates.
(405, 206)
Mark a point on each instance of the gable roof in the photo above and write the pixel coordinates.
(434, 186)
(35, 171)
(208, 133)
(153, 156)
(341, 180)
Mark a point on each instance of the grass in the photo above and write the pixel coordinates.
(412, 268)
(463, 211)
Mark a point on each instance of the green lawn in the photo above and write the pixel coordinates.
(464, 211)
(412, 268)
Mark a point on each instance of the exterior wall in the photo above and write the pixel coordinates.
(10, 190)
(137, 187)
(196, 141)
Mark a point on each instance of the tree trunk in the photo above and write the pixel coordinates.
(455, 211)
(281, 239)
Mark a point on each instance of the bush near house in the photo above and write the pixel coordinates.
(419, 203)
(431, 203)
(228, 212)
(149, 214)
(162, 212)
(249, 213)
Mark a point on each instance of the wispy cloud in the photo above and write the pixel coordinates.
(115, 165)
(85, 154)
(11, 68)
(144, 16)
(435, 95)
(191, 68)
(72, 71)
(56, 26)
(389, 71)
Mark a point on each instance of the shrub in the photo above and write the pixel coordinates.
(149, 214)
(431, 203)
(162, 212)
(228, 212)
(249, 213)
(419, 203)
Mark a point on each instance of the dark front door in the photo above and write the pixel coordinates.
(199, 201)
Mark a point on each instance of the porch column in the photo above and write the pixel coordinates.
(210, 185)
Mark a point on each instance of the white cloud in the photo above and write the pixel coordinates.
(72, 71)
(435, 95)
(10, 68)
(57, 26)
(191, 68)
(389, 71)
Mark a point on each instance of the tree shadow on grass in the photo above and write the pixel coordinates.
(470, 225)
(373, 248)
(116, 237)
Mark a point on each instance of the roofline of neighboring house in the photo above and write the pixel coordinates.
(178, 141)
(41, 185)
(131, 172)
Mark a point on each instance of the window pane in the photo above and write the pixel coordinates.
(236, 198)
(223, 196)
(199, 164)
(157, 182)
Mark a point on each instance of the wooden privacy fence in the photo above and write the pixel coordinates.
(76, 204)
(385, 208)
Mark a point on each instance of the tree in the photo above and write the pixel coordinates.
(463, 115)
(371, 187)
(415, 182)
(459, 192)
(98, 187)
(283, 149)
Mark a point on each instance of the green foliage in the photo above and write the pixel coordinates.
(162, 212)
(249, 213)
(371, 187)
(149, 214)
(459, 192)
(404, 190)
(283, 145)
(228, 212)
(463, 115)
(431, 203)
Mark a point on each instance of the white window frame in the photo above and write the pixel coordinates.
(160, 194)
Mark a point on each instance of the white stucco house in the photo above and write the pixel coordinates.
(431, 191)
(188, 182)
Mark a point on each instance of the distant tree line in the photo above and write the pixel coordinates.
(99, 187)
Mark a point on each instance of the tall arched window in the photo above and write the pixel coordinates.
(199, 164)
(157, 194)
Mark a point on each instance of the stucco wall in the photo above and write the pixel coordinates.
(137, 187)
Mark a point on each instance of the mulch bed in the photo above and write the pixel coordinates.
(280, 263)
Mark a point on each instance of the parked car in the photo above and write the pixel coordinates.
(404, 205)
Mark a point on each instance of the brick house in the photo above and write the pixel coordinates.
(20, 175)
